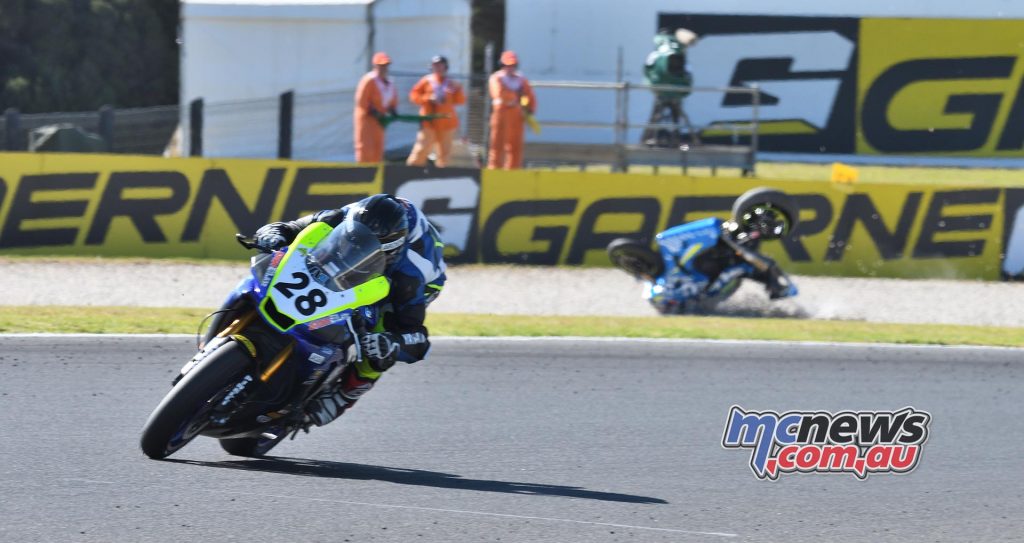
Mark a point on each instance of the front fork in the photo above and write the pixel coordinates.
(267, 378)
(228, 316)
(238, 321)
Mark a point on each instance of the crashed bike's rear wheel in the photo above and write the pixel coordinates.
(185, 410)
(635, 258)
(773, 213)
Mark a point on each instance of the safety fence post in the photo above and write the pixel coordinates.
(106, 127)
(195, 130)
(12, 127)
(755, 126)
(620, 115)
(488, 69)
(286, 115)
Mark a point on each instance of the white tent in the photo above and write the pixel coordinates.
(240, 55)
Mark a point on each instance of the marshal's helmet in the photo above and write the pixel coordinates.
(387, 218)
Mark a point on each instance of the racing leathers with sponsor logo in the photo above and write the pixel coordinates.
(416, 271)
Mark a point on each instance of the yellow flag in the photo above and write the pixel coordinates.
(531, 121)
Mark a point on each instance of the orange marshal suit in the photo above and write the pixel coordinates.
(374, 96)
(437, 133)
(507, 119)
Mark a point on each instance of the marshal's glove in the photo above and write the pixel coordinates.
(381, 349)
(269, 237)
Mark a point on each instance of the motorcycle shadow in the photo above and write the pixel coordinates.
(406, 476)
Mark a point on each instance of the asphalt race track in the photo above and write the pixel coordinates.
(514, 440)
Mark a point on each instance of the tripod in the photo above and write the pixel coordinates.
(668, 110)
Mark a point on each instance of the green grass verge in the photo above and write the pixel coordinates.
(100, 320)
(185, 321)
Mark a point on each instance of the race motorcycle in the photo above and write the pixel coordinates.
(701, 263)
(282, 336)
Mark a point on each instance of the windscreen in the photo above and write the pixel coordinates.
(348, 257)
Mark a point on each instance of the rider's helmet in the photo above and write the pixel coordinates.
(348, 257)
(386, 217)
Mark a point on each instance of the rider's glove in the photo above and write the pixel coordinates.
(382, 349)
(269, 237)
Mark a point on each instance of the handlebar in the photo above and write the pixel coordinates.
(250, 243)
(759, 262)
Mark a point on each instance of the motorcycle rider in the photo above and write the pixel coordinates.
(416, 270)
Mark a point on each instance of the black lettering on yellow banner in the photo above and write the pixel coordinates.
(586, 238)
(860, 208)
(809, 227)
(936, 221)
(940, 86)
(155, 207)
(684, 205)
(554, 235)
(1012, 265)
(302, 200)
(1012, 138)
(216, 184)
(25, 206)
(981, 107)
(141, 211)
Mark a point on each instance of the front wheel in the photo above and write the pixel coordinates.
(184, 411)
(635, 258)
(253, 446)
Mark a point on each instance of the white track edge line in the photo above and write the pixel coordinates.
(470, 512)
(595, 339)
(431, 509)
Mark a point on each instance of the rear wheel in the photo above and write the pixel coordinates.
(185, 410)
(635, 258)
(253, 446)
(769, 211)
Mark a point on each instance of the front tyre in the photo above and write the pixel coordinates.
(635, 258)
(184, 411)
(253, 447)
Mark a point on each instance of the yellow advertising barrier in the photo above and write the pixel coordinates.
(864, 230)
(116, 205)
(112, 205)
(940, 86)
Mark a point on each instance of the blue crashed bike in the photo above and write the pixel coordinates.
(701, 263)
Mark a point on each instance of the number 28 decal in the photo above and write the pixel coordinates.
(306, 304)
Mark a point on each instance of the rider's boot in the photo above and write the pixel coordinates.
(773, 283)
(356, 380)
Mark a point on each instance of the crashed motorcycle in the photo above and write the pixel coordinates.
(701, 263)
(282, 336)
